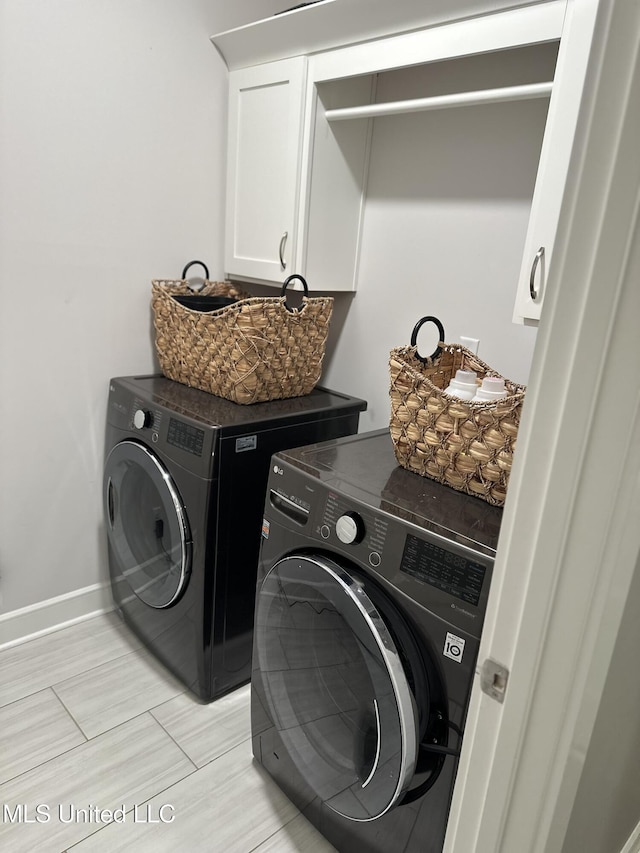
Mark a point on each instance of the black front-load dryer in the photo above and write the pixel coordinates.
(184, 482)
(371, 593)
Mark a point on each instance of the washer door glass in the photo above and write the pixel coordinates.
(335, 687)
(146, 524)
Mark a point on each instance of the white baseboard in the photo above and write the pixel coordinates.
(633, 842)
(54, 613)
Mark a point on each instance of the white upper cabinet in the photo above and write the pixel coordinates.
(300, 130)
(294, 196)
(263, 169)
(560, 131)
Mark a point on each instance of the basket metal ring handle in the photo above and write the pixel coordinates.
(194, 263)
(414, 337)
(305, 287)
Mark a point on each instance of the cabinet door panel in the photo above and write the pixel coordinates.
(265, 122)
(560, 131)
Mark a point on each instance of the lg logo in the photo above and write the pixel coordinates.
(278, 471)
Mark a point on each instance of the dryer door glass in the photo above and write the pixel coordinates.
(334, 686)
(146, 524)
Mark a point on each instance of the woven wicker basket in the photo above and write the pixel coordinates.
(466, 445)
(254, 350)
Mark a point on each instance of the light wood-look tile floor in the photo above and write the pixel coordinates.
(102, 750)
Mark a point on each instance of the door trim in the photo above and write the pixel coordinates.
(570, 540)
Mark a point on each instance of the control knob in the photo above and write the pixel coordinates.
(142, 419)
(350, 528)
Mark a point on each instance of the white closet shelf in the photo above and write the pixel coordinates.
(441, 102)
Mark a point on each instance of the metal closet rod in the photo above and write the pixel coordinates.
(441, 102)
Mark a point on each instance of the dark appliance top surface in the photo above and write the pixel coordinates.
(216, 411)
(365, 468)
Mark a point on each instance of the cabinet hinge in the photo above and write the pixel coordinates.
(493, 679)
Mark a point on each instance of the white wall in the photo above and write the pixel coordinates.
(112, 122)
(447, 206)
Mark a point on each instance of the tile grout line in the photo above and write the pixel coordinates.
(97, 737)
(85, 837)
(77, 724)
(152, 796)
(86, 739)
(52, 686)
(75, 675)
(142, 802)
(169, 735)
(97, 666)
(53, 757)
(275, 832)
(147, 799)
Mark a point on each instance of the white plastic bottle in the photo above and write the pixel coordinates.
(492, 388)
(463, 385)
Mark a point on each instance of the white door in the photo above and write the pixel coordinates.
(570, 542)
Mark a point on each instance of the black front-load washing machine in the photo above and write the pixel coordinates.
(371, 594)
(184, 483)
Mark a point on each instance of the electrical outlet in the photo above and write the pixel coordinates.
(470, 343)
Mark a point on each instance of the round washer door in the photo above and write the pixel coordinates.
(146, 524)
(335, 687)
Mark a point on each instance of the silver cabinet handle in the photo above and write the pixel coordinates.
(533, 293)
(283, 243)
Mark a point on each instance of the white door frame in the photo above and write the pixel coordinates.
(571, 531)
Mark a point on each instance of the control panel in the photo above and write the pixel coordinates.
(443, 569)
(441, 574)
(364, 528)
(179, 434)
(185, 436)
(170, 433)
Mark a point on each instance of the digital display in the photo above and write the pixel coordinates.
(443, 569)
(185, 436)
